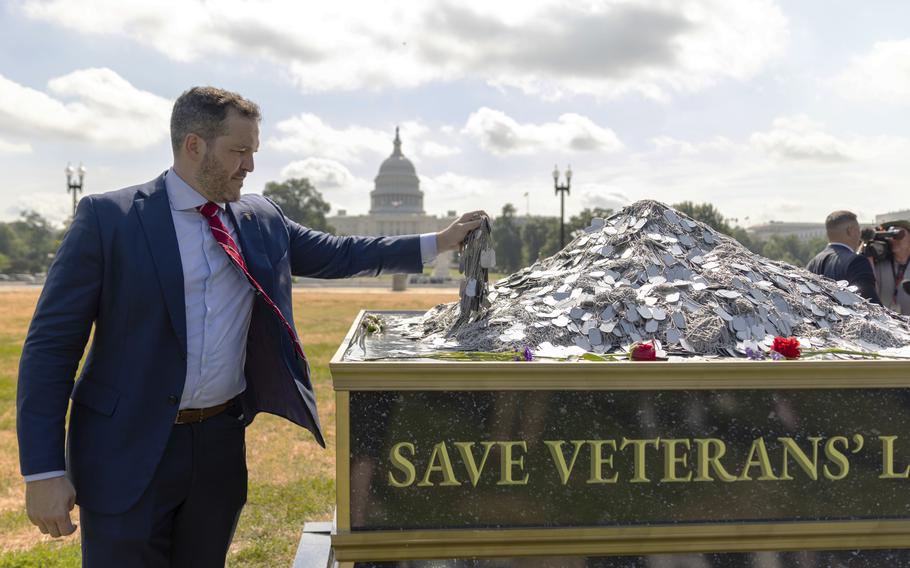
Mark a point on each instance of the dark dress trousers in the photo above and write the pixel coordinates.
(840, 263)
(119, 268)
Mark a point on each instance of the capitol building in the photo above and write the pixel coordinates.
(396, 207)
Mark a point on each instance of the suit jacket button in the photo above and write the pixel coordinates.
(173, 399)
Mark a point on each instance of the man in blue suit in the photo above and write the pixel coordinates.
(188, 285)
(839, 260)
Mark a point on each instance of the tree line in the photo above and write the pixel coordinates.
(28, 244)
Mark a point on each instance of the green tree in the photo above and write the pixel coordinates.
(788, 248)
(583, 219)
(534, 236)
(747, 241)
(507, 240)
(28, 244)
(782, 248)
(7, 239)
(573, 224)
(301, 202)
(707, 214)
(791, 249)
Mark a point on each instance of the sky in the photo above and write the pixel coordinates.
(768, 110)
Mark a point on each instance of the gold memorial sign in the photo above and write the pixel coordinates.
(824, 458)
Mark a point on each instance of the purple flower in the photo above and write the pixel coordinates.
(776, 356)
(754, 354)
(524, 355)
(528, 356)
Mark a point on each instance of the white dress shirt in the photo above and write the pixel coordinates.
(218, 298)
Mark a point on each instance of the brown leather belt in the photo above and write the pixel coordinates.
(194, 415)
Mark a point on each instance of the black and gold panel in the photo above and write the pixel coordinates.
(427, 460)
(802, 559)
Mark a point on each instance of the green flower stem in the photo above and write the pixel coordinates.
(512, 355)
(834, 351)
(474, 355)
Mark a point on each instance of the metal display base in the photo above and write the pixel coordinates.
(698, 464)
(315, 548)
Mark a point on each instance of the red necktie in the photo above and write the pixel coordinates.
(210, 212)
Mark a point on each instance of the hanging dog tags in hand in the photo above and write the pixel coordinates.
(488, 259)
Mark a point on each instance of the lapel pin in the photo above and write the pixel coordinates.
(247, 215)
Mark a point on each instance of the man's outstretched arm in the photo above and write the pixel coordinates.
(322, 255)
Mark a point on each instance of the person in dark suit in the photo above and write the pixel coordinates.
(839, 261)
(188, 285)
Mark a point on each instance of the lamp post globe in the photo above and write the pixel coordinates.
(73, 185)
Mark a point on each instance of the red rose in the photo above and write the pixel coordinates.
(643, 352)
(787, 346)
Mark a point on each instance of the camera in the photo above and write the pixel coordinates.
(876, 245)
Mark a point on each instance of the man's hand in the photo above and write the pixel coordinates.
(48, 503)
(452, 236)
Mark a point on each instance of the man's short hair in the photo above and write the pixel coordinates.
(203, 110)
(838, 220)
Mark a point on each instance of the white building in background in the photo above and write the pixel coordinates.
(802, 231)
(903, 215)
(807, 231)
(396, 207)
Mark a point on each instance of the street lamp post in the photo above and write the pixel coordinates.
(72, 185)
(562, 190)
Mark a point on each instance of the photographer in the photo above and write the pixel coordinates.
(891, 272)
(839, 260)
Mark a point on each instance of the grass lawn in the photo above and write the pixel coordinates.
(291, 479)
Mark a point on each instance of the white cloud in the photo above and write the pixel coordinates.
(880, 75)
(306, 134)
(449, 186)
(674, 147)
(94, 105)
(799, 138)
(417, 143)
(324, 174)
(881, 149)
(600, 195)
(550, 48)
(499, 133)
(54, 207)
(432, 149)
(456, 191)
(15, 147)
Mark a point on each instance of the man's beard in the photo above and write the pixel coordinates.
(214, 181)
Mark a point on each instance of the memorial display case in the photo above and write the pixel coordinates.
(625, 463)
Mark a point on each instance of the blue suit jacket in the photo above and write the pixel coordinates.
(841, 263)
(119, 268)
